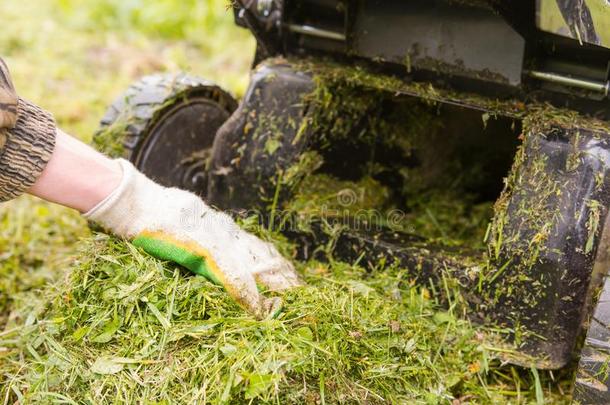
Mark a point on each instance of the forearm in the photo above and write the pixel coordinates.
(76, 175)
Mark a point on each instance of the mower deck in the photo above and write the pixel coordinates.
(535, 272)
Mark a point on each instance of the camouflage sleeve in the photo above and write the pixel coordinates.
(27, 139)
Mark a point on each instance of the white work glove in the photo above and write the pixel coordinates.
(176, 225)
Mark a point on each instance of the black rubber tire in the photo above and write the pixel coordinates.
(165, 125)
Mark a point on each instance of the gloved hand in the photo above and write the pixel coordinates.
(176, 225)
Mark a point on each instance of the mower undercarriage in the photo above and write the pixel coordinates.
(541, 259)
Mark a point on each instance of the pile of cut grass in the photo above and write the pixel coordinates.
(124, 327)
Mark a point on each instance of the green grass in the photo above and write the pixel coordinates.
(37, 243)
(124, 327)
(89, 319)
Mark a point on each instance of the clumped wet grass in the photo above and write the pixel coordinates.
(443, 216)
(126, 327)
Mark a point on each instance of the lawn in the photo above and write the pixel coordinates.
(86, 318)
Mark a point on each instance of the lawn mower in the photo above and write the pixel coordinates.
(503, 102)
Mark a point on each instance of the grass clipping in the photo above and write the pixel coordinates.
(126, 327)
